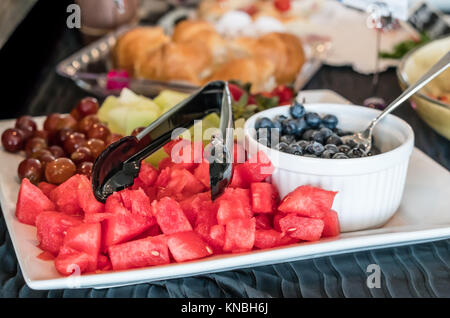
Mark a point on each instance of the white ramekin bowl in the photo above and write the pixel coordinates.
(369, 189)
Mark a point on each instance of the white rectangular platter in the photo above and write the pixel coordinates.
(424, 215)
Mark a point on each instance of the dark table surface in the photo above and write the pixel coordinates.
(422, 270)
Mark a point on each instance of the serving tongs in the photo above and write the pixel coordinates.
(119, 164)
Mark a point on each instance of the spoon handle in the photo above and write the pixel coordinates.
(434, 71)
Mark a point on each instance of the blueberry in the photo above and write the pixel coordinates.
(317, 136)
(263, 123)
(277, 125)
(326, 132)
(315, 148)
(313, 119)
(301, 127)
(341, 132)
(344, 148)
(303, 144)
(296, 149)
(281, 146)
(351, 143)
(307, 135)
(332, 148)
(289, 127)
(340, 155)
(330, 121)
(334, 140)
(355, 153)
(287, 139)
(297, 110)
(327, 154)
(309, 155)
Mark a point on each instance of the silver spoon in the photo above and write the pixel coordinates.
(364, 138)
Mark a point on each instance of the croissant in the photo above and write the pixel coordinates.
(136, 42)
(257, 70)
(188, 62)
(284, 50)
(203, 33)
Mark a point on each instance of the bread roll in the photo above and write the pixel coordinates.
(202, 33)
(258, 71)
(284, 50)
(135, 43)
(188, 62)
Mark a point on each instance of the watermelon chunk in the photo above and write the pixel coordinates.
(234, 204)
(202, 173)
(123, 225)
(31, 202)
(306, 229)
(192, 205)
(183, 182)
(239, 179)
(263, 222)
(148, 174)
(267, 238)
(51, 228)
(148, 251)
(65, 196)
(163, 178)
(186, 246)
(207, 213)
(136, 201)
(217, 237)
(70, 261)
(257, 168)
(103, 263)
(213, 235)
(308, 201)
(86, 198)
(239, 235)
(264, 197)
(165, 163)
(331, 224)
(276, 221)
(170, 216)
(83, 239)
(46, 187)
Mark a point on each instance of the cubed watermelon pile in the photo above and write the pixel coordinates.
(168, 216)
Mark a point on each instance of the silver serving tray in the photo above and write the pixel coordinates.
(89, 67)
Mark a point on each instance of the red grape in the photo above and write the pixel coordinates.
(35, 144)
(73, 141)
(86, 123)
(81, 154)
(13, 140)
(31, 169)
(57, 151)
(96, 146)
(61, 136)
(59, 170)
(41, 134)
(85, 168)
(99, 131)
(27, 125)
(87, 106)
(51, 123)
